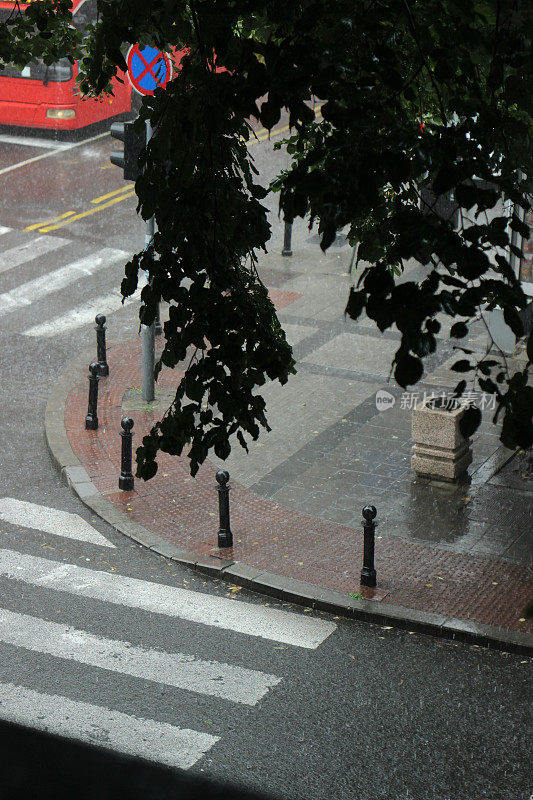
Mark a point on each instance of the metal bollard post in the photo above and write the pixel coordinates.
(287, 240)
(368, 573)
(91, 420)
(225, 536)
(103, 368)
(126, 480)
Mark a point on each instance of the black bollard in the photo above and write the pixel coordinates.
(125, 482)
(368, 573)
(287, 240)
(91, 420)
(225, 536)
(103, 368)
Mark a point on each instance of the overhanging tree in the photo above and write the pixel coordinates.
(415, 95)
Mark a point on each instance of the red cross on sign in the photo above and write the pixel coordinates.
(148, 68)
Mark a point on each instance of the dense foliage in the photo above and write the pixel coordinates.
(419, 98)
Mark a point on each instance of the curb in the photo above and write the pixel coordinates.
(241, 574)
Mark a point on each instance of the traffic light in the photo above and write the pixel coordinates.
(133, 144)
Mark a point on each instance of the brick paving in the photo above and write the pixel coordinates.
(272, 536)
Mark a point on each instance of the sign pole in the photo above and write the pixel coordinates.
(148, 331)
(148, 69)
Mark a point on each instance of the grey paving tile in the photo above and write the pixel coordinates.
(390, 471)
(521, 549)
(342, 516)
(352, 350)
(489, 547)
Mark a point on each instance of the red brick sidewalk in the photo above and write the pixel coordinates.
(184, 511)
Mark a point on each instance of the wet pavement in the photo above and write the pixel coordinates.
(462, 552)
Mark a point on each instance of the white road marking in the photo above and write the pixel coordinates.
(79, 316)
(51, 153)
(27, 293)
(103, 727)
(26, 141)
(235, 684)
(219, 612)
(50, 520)
(29, 251)
(3, 230)
(85, 314)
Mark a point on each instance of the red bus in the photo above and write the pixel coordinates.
(41, 96)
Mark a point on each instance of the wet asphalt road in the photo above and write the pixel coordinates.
(369, 713)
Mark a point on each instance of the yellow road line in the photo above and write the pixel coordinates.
(125, 192)
(268, 135)
(48, 221)
(87, 213)
(112, 194)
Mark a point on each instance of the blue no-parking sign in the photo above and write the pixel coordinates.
(148, 68)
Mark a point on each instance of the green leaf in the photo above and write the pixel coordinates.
(459, 389)
(222, 449)
(270, 114)
(512, 319)
(519, 226)
(470, 421)
(487, 385)
(459, 330)
(356, 303)
(242, 441)
(408, 369)
(463, 365)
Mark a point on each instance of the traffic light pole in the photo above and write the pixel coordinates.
(148, 331)
(127, 161)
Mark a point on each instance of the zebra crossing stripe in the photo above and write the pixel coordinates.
(228, 682)
(218, 612)
(50, 520)
(104, 727)
(29, 292)
(30, 250)
(82, 315)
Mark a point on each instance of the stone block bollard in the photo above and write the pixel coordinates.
(440, 450)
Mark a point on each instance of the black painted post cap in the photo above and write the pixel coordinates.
(100, 320)
(369, 513)
(93, 369)
(222, 477)
(126, 424)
